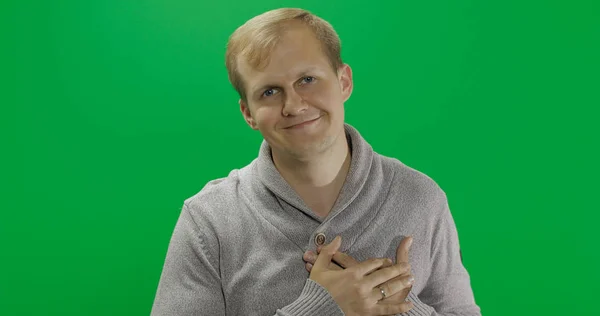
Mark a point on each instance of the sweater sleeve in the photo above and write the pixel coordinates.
(448, 288)
(190, 282)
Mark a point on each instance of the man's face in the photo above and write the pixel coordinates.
(296, 101)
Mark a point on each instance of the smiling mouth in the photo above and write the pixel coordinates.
(303, 123)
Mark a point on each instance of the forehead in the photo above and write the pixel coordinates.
(297, 51)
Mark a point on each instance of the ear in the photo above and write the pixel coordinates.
(345, 79)
(247, 115)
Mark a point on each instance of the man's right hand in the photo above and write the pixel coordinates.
(355, 289)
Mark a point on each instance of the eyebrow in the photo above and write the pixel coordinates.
(303, 73)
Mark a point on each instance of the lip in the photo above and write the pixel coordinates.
(305, 123)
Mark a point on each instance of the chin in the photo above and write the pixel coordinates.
(309, 149)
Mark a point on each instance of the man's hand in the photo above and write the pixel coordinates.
(356, 286)
(341, 261)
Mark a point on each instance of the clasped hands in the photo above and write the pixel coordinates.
(373, 287)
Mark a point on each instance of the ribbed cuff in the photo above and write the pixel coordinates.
(419, 308)
(314, 300)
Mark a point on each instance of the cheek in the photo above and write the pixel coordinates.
(326, 96)
(266, 117)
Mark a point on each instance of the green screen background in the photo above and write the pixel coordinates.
(114, 112)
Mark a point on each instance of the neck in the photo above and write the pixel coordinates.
(319, 179)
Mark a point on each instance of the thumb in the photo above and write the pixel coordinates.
(403, 248)
(326, 255)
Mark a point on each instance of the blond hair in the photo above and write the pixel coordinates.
(256, 39)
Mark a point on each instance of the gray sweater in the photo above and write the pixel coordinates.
(238, 243)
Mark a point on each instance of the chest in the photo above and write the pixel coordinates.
(262, 276)
(264, 271)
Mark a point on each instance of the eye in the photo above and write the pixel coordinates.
(308, 79)
(269, 92)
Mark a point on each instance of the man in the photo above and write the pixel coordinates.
(318, 192)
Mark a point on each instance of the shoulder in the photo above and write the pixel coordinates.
(413, 186)
(215, 199)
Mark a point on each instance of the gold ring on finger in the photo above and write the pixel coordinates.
(383, 295)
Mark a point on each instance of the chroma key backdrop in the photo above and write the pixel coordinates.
(114, 112)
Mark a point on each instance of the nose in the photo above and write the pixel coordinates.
(293, 103)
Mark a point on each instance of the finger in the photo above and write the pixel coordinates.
(393, 287)
(403, 249)
(392, 309)
(386, 274)
(398, 297)
(401, 296)
(344, 260)
(324, 258)
(334, 266)
(311, 258)
(368, 266)
(308, 266)
(387, 263)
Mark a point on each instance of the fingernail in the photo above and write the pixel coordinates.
(410, 241)
(411, 280)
